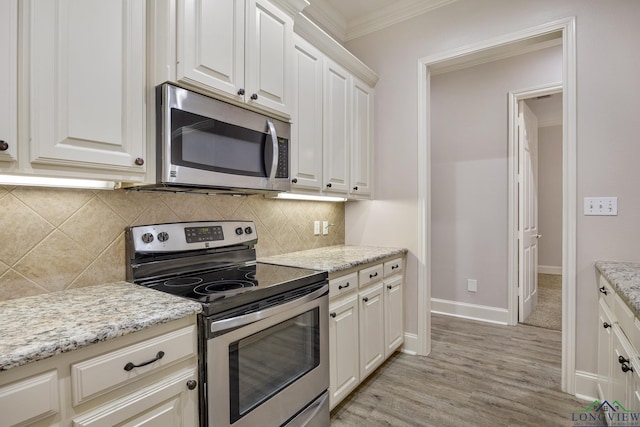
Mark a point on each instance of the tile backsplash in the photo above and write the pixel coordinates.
(55, 239)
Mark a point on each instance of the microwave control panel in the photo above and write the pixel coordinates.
(283, 158)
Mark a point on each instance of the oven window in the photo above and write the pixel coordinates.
(203, 143)
(262, 364)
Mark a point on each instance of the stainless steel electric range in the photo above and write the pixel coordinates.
(263, 333)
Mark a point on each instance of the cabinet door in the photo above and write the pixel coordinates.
(87, 75)
(306, 147)
(621, 377)
(337, 128)
(343, 348)
(211, 44)
(268, 56)
(605, 354)
(167, 403)
(393, 316)
(371, 329)
(8, 79)
(362, 139)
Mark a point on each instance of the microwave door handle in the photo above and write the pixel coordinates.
(234, 322)
(271, 155)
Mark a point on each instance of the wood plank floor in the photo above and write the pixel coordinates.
(477, 374)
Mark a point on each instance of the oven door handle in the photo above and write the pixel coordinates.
(246, 319)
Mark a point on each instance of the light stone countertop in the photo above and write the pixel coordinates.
(37, 327)
(334, 258)
(625, 279)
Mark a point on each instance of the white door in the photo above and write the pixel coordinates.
(362, 139)
(527, 210)
(337, 131)
(344, 357)
(8, 79)
(371, 329)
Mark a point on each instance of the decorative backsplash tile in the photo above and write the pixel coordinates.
(55, 239)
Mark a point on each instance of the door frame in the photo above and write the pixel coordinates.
(512, 223)
(567, 27)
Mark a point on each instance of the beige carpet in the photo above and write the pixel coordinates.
(548, 311)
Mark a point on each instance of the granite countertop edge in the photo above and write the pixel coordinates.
(72, 319)
(334, 258)
(625, 278)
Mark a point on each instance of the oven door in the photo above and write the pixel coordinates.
(263, 372)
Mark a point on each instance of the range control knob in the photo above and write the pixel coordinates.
(248, 230)
(147, 237)
(163, 236)
(239, 231)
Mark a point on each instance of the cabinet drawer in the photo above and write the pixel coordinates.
(370, 275)
(606, 291)
(103, 373)
(624, 316)
(394, 266)
(30, 399)
(343, 284)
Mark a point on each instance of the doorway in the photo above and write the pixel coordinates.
(566, 27)
(538, 284)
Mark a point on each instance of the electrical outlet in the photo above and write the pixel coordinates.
(601, 206)
(472, 285)
(325, 227)
(316, 227)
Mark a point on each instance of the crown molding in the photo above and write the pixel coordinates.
(315, 35)
(389, 15)
(328, 18)
(293, 7)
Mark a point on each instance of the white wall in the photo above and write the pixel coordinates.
(608, 61)
(550, 196)
(469, 173)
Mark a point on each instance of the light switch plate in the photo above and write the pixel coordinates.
(325, 227)
(316, 227)
(601, 206)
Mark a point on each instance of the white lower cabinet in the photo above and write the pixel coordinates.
(110, 383)
(371, 329)
(618, 357)
(343, 347)
(365, 323)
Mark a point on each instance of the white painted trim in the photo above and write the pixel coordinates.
(411, 344)
(482, 313)
(512, 198)
(550, 122)
(329, 18)
(550, 269)
(586, 386)
(568, 28)
(398, 11)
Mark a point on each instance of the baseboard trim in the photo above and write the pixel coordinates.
(586, 386)
(465, 310)
(411, 344)
(550, 269)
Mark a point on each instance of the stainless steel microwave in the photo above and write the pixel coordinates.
(205, 144)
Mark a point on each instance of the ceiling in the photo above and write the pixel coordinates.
(348, 19)
(548, 109)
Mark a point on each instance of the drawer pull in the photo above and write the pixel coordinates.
(129, 366)
(344, 287)
(389, 287)
(603, 290)
(393, 267)
(606, 325)
(622, 360)
(365, 299)
(371, 276)
(626, 368)
(333, 314)
(192, 384)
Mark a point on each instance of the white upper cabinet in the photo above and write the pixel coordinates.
(211, 44)
(336, 127)
(240, 49)
(362, 139)
(86, 73)
(306, 147)
(8, 79)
